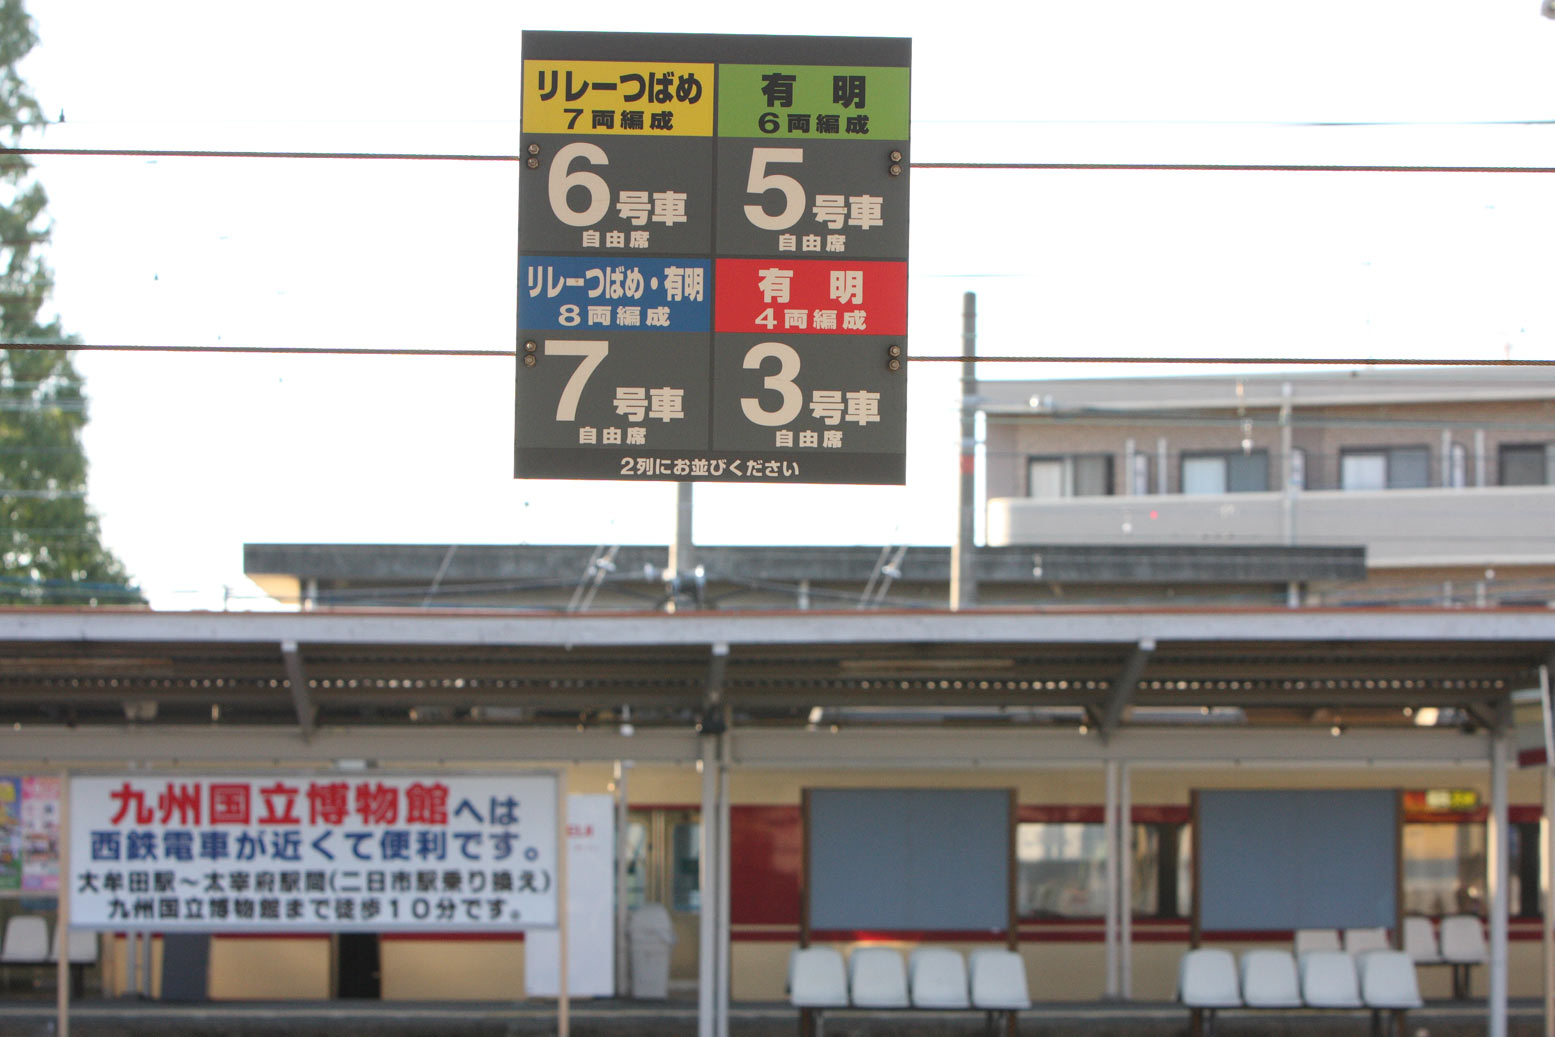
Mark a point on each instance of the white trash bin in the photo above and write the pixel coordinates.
(650, 936)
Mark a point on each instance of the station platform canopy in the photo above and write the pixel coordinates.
(70, 674)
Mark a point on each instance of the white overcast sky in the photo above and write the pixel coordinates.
(192, 456)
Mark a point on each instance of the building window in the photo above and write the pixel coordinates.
(1387, 468)
(1141, 475)
(1069, 475)
(1225, 472)
(1527, 464)
(1062, 870)
(1458, 466)
(1298, 468)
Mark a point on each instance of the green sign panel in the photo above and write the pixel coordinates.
(812, 101)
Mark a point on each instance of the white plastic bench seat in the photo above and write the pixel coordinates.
(1388, 985)
(1359, 941)
(999, 981)
(1206, 978)
(1463, 940)
(1206, 982)
(1463, 946)
(1388, 980)
(818, 978)
(26, 940)
(877, 978)
(1420, 940)
(1316, 940)
(1328, 980)
(82, 944)
(937, 978)
(1269, 980)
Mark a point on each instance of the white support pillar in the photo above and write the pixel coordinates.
(623, 852)
(707, 951)
(723, 878)
(1497, 877)
(1547, 857)
(1545, 886)
(1126, 884)
(1110, 824)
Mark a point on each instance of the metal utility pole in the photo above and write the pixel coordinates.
(679, 574)
(963, 571)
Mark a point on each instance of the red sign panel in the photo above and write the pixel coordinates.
(811, 296)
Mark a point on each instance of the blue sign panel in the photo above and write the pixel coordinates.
(558, 293)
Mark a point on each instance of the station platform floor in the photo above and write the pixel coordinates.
(31, 1016)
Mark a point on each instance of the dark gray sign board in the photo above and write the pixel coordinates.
(908, 860)
(713, 258)
(1285, 859)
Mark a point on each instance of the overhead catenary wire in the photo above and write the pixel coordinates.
(106, 347)
(1197, 167)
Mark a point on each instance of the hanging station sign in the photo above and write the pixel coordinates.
(713, 258)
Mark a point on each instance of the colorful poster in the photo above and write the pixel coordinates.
(40, 835)
(10, 835)
(308, 853)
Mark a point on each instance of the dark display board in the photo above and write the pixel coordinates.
(713, 258)
(1296, 859)
(887, 860)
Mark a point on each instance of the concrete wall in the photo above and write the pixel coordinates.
(1499, 525)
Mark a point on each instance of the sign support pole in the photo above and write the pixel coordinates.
(723, 872)
(62, 914)
(707, 977)
(622, 978)
(563, 1008)
(963, 563)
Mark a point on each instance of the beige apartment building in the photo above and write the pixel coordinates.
(1446, 476)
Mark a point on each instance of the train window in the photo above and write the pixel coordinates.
(1146, 894)
(1184, 877)
(1526, 877)
(1444, 869)
(1062, 870)
(636, 864)
(686, 868)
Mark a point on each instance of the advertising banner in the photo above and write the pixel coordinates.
(309, 853)
(29, 835)
(40, 835)
(10, 835)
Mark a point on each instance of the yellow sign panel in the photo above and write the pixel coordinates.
(619, 98)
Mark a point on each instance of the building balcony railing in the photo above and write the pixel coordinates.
(1489, 526)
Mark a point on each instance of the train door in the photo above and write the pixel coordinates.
(664, 866)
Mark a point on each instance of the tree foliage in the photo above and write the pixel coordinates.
(51, 548)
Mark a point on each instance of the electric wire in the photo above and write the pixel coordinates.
(97, 347)
(1195, 167)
